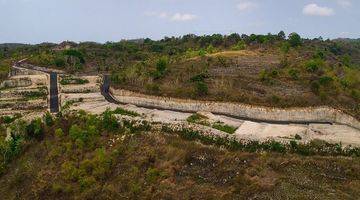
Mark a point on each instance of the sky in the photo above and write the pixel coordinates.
(36, 21)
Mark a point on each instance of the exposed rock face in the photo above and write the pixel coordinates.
(292, 115)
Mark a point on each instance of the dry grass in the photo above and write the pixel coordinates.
(159, 165)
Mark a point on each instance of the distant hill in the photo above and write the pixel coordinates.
(12, 45)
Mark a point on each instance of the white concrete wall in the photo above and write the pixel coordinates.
(309, 114)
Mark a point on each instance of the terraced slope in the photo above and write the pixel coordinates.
(24, 94)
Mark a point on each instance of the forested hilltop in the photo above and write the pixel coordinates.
(271, 70)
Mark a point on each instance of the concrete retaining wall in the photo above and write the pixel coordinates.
(256, 113)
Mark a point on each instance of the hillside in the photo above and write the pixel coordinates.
(84, 156)
(269, 70)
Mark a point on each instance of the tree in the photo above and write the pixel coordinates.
(295, 39)
(281, 35)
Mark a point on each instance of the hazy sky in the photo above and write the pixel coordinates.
(35, 21)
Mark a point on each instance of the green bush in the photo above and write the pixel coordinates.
(76, 132)
(48, 119)
(86, 182)
(68, 80)
(314, 65)
(59, 133)
(199, 77)
(152, 175)
(122, 111)
(9, 119)
(161, 67)
(201, 88)
(35, 129)
(224, 127)
(325, 80)
(319, 55)
(109, 122)
(294, 74)
(195, 118)
(239, 46)
(267, 77)
(285, 47)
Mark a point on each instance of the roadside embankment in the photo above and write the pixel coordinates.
(249, 112)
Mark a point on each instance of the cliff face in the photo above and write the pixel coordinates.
(291, 115)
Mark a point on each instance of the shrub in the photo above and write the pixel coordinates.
(319, 55)
(325, 80)
(294, 74)
(239, 46)
(122, 111)
(195, 118)
(201, 88)
(274, 73)
(224, 127)
(69, 171)
(9, 119)
(76, 132)
(35, 129)
(275, 99)
(59, 133)
(59, 62)
(41, 93)
(314, 65)
(67, 80)
(161, 66)
(109, 122)
(285, 47)
(202, 52)
(210, 49)
(297, 137)
(346, 60)
(48, 119)
(152, 175)
(315, 87)
(199, 77)
(75, 53)
(265, 76)
(86, 182)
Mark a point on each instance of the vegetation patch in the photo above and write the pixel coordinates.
(77, 155)
(70, 80)
(224, 127)
(203, 120)
(41, 93)
(122, 111)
